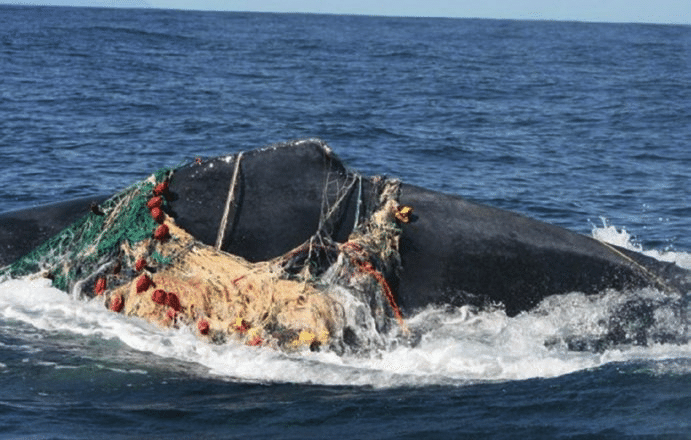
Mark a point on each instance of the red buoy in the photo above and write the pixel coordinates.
(161, 233)
(157, 214)
(140, 265)
(256, 340)
(173, 301)
(159, 296)
(117, 303)
(161, 189)
(100, 286)
(241, 325)
(154, 202)
(143, 283)
(203, 326)
(171, 313)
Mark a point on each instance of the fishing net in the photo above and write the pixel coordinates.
(92, 244)
(323, 293)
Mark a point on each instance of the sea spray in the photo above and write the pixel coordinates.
(456, 345)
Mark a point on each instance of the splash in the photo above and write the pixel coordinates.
(452, 346)
(620, 237)
(446, 345)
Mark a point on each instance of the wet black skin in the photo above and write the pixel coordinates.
(452, 252)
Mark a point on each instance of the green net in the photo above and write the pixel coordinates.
(88, 245)
(293, 300)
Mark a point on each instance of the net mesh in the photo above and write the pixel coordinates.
(321, 293)
(80, 250)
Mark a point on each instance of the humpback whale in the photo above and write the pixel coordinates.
(452, 251)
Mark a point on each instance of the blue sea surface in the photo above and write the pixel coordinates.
(567, 122)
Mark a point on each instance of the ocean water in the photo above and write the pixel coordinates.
(587, 126)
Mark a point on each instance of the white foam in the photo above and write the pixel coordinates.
(485, 346)
(620, 237)
(455, 346)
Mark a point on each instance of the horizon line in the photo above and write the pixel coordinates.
(142, 4)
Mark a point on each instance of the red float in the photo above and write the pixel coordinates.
(117, 303)
(161, 189)
(154, 202)
(203, 326)
(143, 283)
(241, 325)
(159, 296)
(140, 265)
(171, 313)
(257, 340)
(161, 233)
(100, 286)
(173, 301)
(157, 214)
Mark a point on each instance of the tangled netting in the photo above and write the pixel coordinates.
(92, 243)
(131, 255)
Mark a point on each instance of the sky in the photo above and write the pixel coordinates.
(638, 11)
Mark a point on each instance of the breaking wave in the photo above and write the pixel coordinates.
(564, 334)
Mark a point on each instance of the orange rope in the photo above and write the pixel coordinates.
(358, 257)
(368, 268)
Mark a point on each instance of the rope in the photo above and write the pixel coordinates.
(229, 200)
(658, 280)
(357, 259)
(359, 203)
(327, 212)
(369, 269)
(639, 266)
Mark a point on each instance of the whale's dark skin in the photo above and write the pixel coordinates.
(452, 252)
(22, 230)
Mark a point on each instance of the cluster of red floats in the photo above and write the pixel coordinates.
(155, 208)
(144, 282)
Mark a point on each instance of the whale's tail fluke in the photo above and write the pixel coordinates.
(131, 251)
